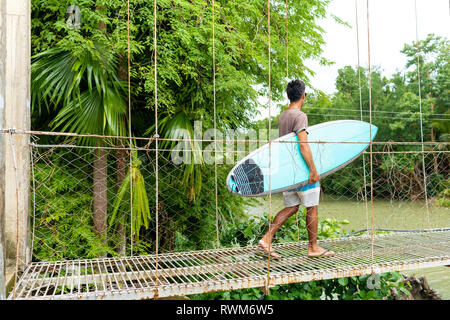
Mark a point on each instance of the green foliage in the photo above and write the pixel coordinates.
(63, 215)
(444, 198)
(351, 288)
(248, 230)
(188, 223)
(68, 61)
(86, 85)
(184, 38)
(133, 183)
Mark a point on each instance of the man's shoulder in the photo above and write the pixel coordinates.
(300, 115)
(293, 113)
(303, 114)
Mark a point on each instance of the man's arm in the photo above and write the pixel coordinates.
(307, 155)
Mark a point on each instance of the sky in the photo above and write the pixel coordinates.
(392, 23)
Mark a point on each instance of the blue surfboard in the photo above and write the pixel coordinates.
(288, 169)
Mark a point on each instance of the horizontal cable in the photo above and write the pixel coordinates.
(70, 146)
(76, 135)
(213, 140)
(378, 111)
(397, 230)
(377, 117)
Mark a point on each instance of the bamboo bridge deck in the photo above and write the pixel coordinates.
(186, 273)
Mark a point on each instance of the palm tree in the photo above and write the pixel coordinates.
(85, 90)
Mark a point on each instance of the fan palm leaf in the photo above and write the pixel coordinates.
(179, 126)
(86, 85)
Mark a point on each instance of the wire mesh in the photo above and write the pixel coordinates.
(225, 269)
(64, 196)
(88, 242)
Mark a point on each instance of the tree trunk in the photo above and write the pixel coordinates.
(100, 193)
(101, 25)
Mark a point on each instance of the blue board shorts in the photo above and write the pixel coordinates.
(307, 195)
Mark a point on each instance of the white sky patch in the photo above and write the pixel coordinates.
(392, 24)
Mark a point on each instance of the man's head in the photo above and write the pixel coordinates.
(296, 91)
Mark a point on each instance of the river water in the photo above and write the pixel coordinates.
(385, 214)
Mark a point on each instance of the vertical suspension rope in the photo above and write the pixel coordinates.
(34, 202)
(287, 79)
(361, 111)
(287, 41)
(370, 137)
(13, 152)
(215, 126)
(420, 114)
(156, 136)
(129, 127)
(157, 140)
(270, 150)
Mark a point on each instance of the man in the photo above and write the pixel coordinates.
(294, 120)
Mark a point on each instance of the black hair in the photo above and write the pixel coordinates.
(295, 90)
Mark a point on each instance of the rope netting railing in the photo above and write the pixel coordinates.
(72, 186)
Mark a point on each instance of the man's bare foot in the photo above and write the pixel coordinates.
(267, 248)
(319, 252)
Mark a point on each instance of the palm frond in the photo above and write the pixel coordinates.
(86, 85)
(179, 126)
(141, 210)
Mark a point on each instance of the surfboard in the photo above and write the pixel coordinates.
(288, 170)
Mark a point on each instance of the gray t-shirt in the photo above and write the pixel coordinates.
(292, 120)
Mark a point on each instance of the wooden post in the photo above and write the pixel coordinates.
(15, 50)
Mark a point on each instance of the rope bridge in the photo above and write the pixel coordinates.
(185, 273)
(162, 275)
(69, 169)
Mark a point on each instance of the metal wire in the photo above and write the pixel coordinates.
(129, 123)
(382, 111)
(395, 230)
(420, 112)
(270, 147)
(13, 152)
(370, 144)
(34, 200)
(215, 126)
(151, 139)
(156, 136)
(360, 107)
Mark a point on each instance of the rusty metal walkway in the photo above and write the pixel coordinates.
(193, 272)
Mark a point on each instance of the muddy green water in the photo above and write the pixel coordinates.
(386, 214)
